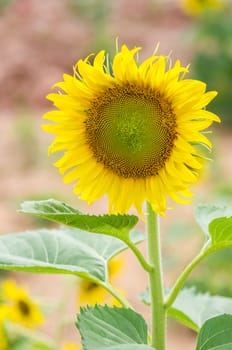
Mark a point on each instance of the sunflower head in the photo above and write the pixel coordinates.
(4, 345)
(21, 308)
(90, 293)
(115, 266)
(71, 346)
(130, 130)
(4, 315)
(197, 7)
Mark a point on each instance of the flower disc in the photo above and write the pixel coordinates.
(130, 134)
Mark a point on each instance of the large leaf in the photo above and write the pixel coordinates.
(206, 214)
(113, 225)
(105, 328)
(216, 334)
(193, 309)
(61, 251)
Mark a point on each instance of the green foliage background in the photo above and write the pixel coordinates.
(212, 62)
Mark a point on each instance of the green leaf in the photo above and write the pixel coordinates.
(206, 214)
(193, 309)
(113, 225)
(216, 334)
(221, 233)
(61, 251)
(24, 343)
(105, 328)
(20, 343)
(218, 228)
(25, 339)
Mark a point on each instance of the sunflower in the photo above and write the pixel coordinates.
(196, 7)
(3, 340)
(4, 312)
(71, 346)
(91, 293)
(129, 130)
(21, 308)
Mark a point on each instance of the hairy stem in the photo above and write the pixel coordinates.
(124, 302)
(145, 265)
(158, 312)
(182, 278)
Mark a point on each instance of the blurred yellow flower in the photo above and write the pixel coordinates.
(71, 346)
(196, 7)
(4, 314)
(115, 266)
(3, 340)
(91, 293)
(21, 308)
(128, 130)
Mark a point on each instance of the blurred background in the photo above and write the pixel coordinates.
(41, 40)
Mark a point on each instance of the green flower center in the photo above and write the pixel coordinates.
(131, 130)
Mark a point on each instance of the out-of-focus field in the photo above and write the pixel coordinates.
(40, 40)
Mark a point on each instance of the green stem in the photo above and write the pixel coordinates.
(182, 278)
(158, 312)
(124, 302)
(110, 289)
(146, 266)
